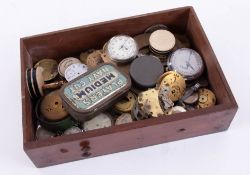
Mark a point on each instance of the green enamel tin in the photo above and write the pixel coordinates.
(94, 91)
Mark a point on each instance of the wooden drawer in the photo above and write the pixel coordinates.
(138, 134)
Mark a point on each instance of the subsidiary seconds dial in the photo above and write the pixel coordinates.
(187, 62)
(122, 48)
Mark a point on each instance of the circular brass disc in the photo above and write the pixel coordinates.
(162, 40)
(94, 58)
(206, 98)
(51, 107)
(127, 103)
(49, 68)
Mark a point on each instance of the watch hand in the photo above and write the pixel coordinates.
(191, 66)
(188, 62)
(189, 58)
(123, 44)
(187, 65)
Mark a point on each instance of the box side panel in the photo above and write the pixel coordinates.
(27, 120)
(131, 139)
(70, 42)
(215, 74)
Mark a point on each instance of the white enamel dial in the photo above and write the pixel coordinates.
(74, 71)
(187, 62)
(122, 48)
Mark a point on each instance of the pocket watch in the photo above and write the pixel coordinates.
(186, 62)
(121, 48)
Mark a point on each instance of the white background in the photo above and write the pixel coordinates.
(227, 25)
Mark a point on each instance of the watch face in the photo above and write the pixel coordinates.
(74, 71)
(65, 63)
(187, 62)
(122, 48)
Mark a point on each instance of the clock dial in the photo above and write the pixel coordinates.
(74, 71)
(187, 62)
(122, 48)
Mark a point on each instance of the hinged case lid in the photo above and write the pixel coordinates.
(94, 91)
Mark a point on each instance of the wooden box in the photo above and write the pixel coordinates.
(138, 134)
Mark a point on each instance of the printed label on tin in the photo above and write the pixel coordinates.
(95, 87)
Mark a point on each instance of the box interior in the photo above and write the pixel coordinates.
(71, 42)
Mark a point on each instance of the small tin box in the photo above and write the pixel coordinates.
(95, 91)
